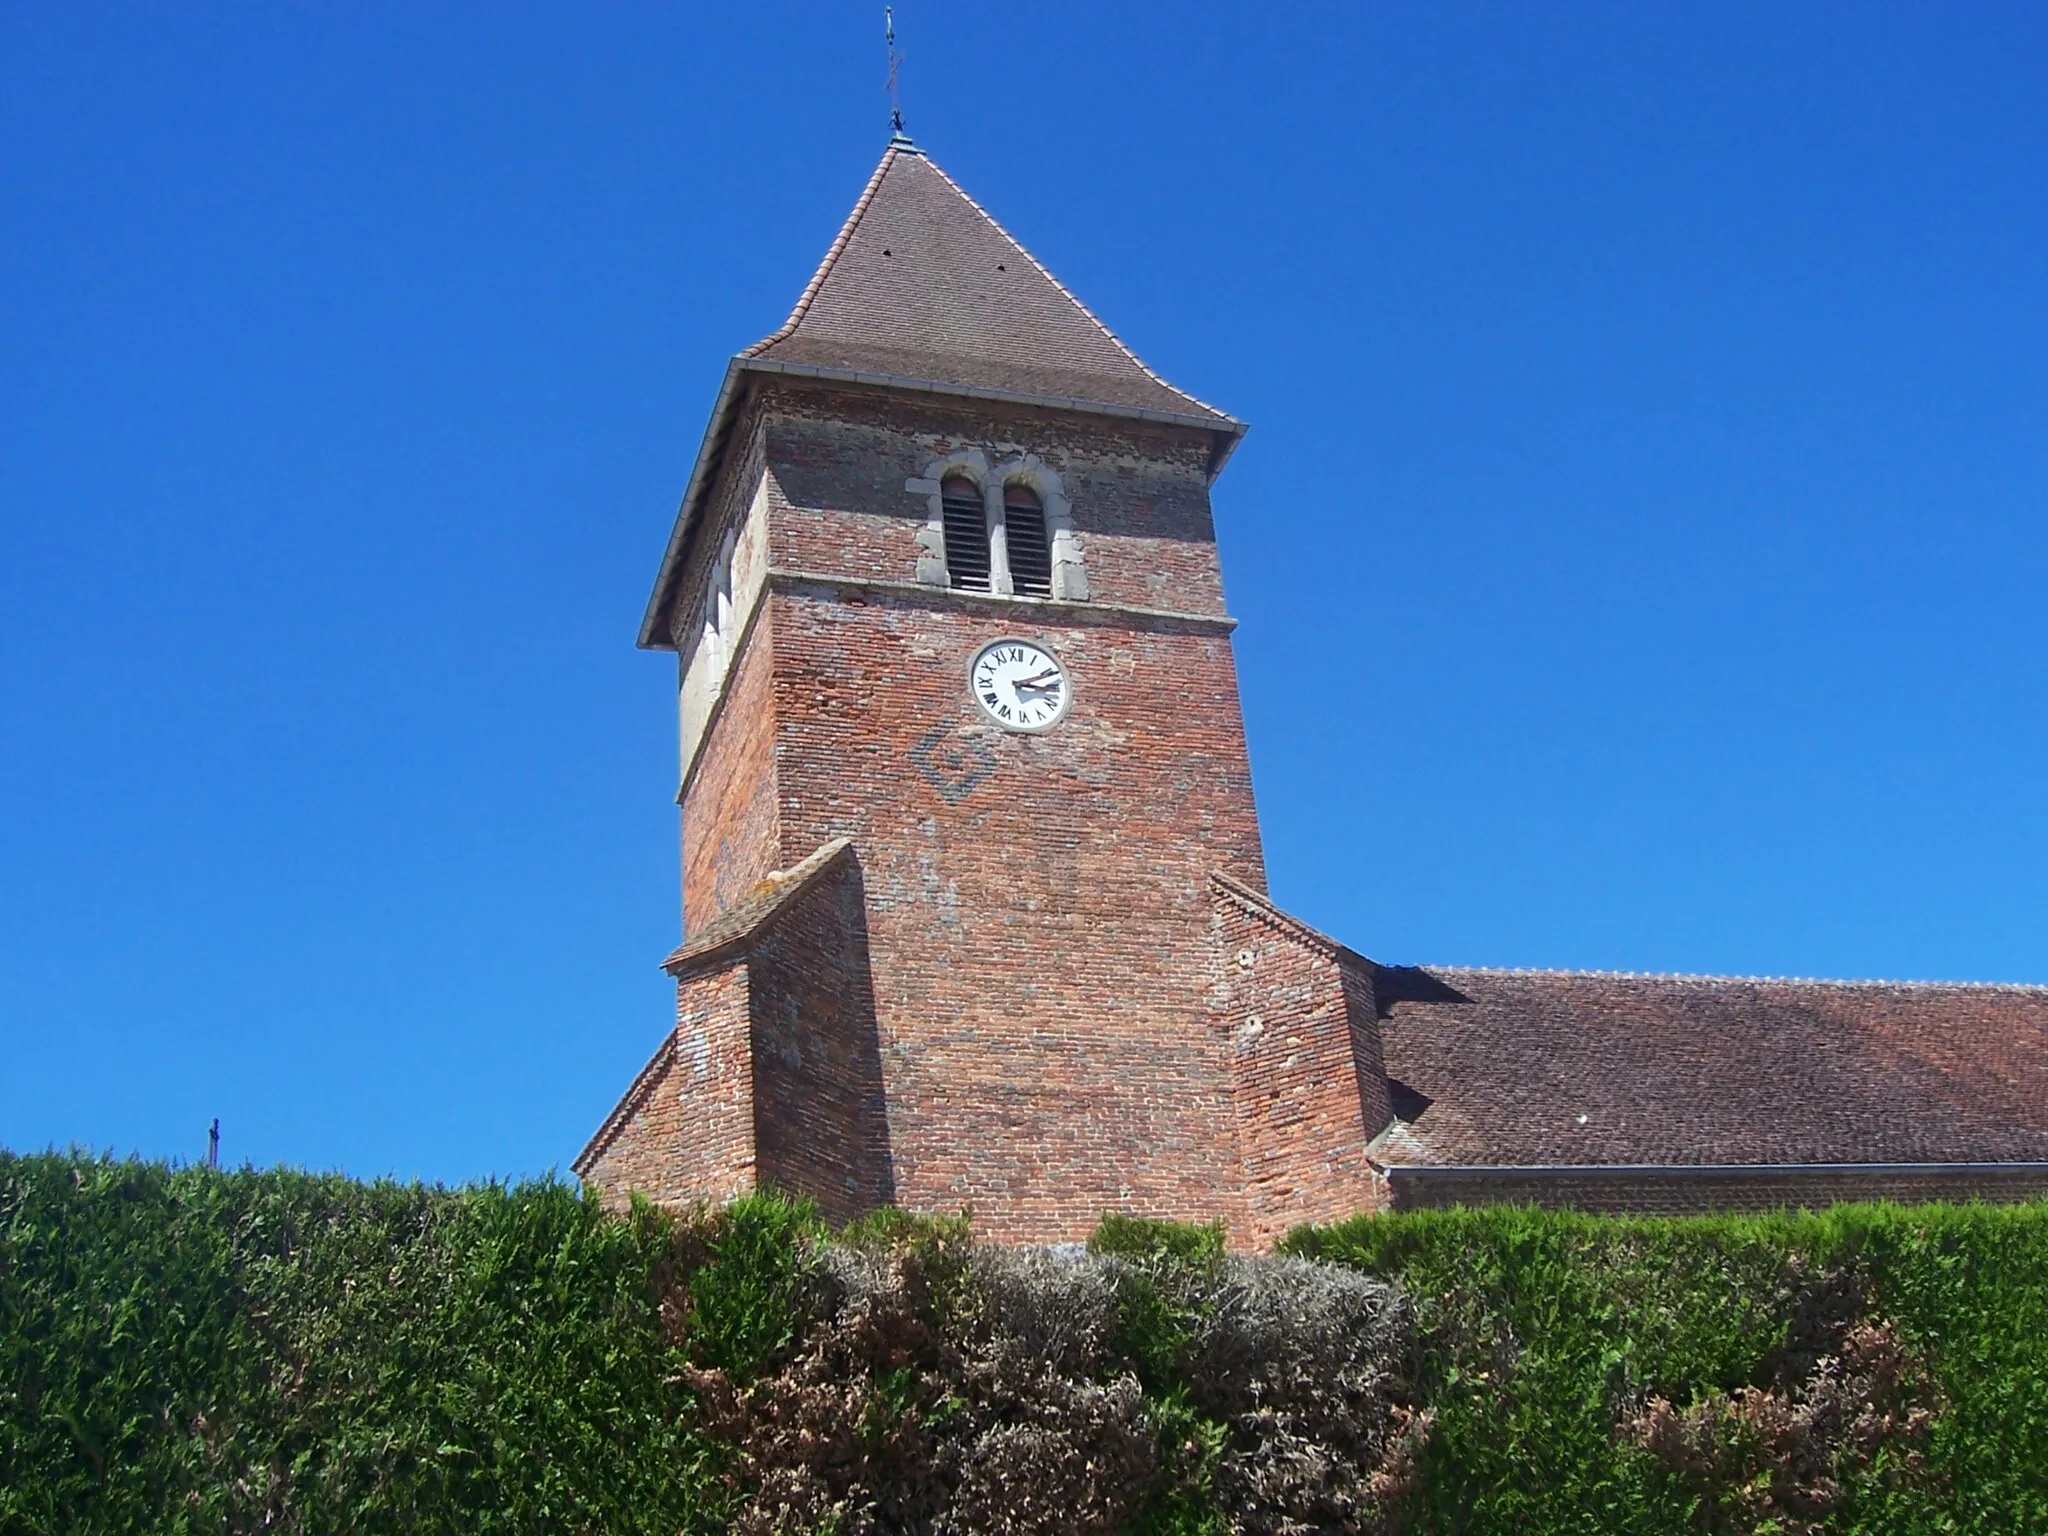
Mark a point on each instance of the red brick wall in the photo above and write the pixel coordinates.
(1037, 912)
(1367, 1059)
(686, 1130)
(1305, 1057)
(1037, 905)
(1139, 491)
(819, 1114)
(730, 832)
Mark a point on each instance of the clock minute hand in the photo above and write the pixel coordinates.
(1050, 674)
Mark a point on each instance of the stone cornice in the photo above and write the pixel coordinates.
(1053, 611)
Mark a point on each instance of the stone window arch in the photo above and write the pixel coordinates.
(1026, 541)
(970, 553)
(1066, 577)
(933, 567)
(718, 608)
(1051, 563)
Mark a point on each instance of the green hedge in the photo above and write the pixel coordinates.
(1536, 1330)
(196, 1351)
(186, 1350)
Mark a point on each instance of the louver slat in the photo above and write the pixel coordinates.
(966, 536)
(1025, 537)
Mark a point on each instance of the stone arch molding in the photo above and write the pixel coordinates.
(931, 538)
(1069, 575)
(1069, 572)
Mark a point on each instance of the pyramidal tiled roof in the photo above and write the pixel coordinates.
(922, 284)
(923, 290)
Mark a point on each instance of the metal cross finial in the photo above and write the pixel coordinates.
(895, 61)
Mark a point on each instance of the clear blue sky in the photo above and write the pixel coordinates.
(1639, 545)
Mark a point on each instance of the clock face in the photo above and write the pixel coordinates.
(1019, 685)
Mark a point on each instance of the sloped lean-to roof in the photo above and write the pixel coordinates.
(1522, 1069)
(731, 930)
(721, 941)
(922, 290)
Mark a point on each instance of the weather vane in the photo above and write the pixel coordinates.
(895, 62)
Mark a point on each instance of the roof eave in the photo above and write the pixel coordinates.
(1695, 1170)
(1208, 422)
(1224, 431)
(653, 634)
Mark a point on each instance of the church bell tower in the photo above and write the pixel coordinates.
(973, 898)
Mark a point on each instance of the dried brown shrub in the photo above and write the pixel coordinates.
(1300, 1361)
(948, 1389)
(1847, 1397)
(944, 1392)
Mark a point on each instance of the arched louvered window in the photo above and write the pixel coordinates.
(718, 612)
(1025, 537)
(966, 533)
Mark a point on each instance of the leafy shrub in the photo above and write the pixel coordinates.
(745, 1282)
(203, 1351)
(1776, 1458)
(1869, 1368)
(186, 1350)
(1301, 1363)
(1145, 1240)
(941, 1389)
(1157, 1387)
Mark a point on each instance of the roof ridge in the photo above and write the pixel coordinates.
(1067, 293)
(1561, 973)
(838, 248)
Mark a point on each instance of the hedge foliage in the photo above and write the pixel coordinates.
(191, 1351)
(188, 1350)
(1543, 1337)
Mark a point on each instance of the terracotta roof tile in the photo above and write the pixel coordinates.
(756, 909)
(922, 284)
(1521, 1068)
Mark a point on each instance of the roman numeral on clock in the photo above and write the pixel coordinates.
(1018, 684)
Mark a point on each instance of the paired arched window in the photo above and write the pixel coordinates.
(1027, 543)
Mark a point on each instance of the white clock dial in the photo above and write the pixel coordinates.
(1019, 685)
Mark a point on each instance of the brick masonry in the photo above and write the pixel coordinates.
(1017, 1011)
(731, 835)
(930, 961)
(685, 1130)
(839, 458)
(1037, 904)
(1306, 1077)
(819, 1111)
